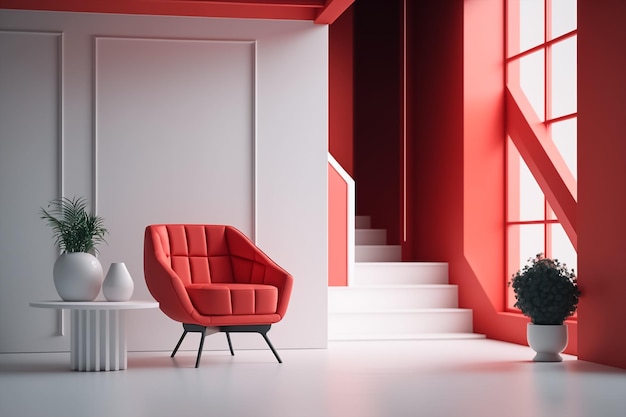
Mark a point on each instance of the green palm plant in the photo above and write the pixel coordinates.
(73, 228)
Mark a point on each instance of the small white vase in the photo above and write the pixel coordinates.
(77, 276)
(547, 340)
(118, 285)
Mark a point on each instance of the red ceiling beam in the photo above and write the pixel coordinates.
(294, 10)
(313, 10)
(332, 10)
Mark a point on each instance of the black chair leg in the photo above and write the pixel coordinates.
(262, 329)
(178, 344)
(230, 345)
(196, 329)
(267, 340)
(203, 336)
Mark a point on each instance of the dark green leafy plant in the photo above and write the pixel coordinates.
(74, 229)
(546, 291)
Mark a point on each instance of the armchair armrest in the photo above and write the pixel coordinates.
(264, 269)
(162, 282)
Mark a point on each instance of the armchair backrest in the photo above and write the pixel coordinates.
(197, 253)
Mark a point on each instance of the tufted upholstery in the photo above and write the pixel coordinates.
(213, 275)
(233, 299)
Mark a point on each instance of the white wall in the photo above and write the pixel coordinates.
(161, 119)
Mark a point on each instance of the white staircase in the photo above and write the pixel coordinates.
(393, 300)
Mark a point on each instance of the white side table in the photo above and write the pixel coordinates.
(98, 334)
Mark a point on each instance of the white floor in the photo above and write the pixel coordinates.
(482, 378)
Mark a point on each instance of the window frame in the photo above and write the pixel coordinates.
(513, 221)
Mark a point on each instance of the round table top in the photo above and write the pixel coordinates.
(96, 305)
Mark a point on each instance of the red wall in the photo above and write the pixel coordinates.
(377, 113)
(435, 112)
(337, 229)
(340, 142)
(601, 177)
(341, 91)
(484, 171)
(458, 157)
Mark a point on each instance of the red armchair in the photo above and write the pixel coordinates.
(212, 278)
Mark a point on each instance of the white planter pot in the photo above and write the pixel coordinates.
(77, 276)
(118, 285)
(547, 340)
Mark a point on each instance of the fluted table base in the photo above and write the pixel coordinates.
(98, 332)
(98, 340)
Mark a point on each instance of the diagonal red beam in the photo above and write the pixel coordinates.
(528, 133)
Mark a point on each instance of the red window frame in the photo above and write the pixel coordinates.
(530, 135)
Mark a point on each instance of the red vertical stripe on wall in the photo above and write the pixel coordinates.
(337, 229)
(340, 142)
(435, 122)
(377, 60)
(341, 91)
(601, 177)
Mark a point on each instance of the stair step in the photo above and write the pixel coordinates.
(391, 297)
(406, 336)
(388, 299)
(378, 253)
(400, 273)
(370, 236)
(385, 323)
(362, 222)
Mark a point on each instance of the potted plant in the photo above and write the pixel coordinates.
(546, 292)
(77, 272)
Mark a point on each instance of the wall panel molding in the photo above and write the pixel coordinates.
(173, 139)
(251, 44)
(31, 174)
(60, 104)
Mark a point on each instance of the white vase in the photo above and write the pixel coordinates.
(118, 284)
(77, 276)
(547, 340)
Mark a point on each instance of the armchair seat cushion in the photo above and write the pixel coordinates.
(233, 299)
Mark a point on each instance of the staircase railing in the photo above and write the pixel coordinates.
(341, 217)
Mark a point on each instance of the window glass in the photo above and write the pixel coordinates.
(531, 20)
(562, 248)
(532, 242)
(563, 77)
(564, 137)
(512, 178)
(563, 17)
(532, 81)
(531, 199)
(529, 241)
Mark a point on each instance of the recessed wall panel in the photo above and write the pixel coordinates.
(174, 138)
(30, 139)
